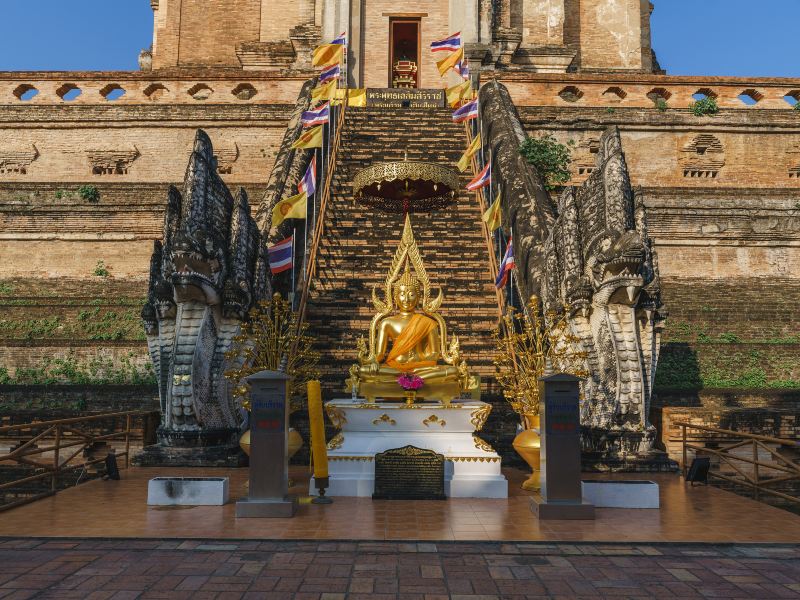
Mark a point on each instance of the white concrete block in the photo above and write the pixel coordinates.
(620, 493)
(191, 491)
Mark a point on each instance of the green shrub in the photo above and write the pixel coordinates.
(729, 338)
(6, 288)
(96, 371)
(662, 105)
(89, 193)
(100, 269)
(706, 106)
(550, 158)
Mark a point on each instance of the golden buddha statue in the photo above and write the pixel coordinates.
(408, 335)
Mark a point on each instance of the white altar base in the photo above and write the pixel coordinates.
(471, 468)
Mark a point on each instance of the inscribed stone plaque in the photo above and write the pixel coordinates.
(409, 473)
(402, 97)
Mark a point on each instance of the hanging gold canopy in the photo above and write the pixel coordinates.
(406, 187)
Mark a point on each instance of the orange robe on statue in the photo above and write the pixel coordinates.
(418, 329)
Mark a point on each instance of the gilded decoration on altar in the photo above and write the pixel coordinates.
(336, 441)
(408, 335)
(384, 418)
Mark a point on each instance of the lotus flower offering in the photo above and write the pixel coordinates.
(410, 382)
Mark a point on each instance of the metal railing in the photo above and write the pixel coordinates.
(319, 224)
(747, 467)
(59, 435)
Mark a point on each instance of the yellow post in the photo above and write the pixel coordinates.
(319, 451)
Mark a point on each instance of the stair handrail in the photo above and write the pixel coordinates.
(487, 235)
(319, 226)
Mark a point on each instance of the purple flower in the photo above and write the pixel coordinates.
(410, 382)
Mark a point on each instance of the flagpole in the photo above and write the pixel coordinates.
(294, 235)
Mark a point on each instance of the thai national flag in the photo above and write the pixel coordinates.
(330, 73)
(308, 183)
(342, 39)
(482, 179)
(318, 116)
(505, 267)
(462, 68)
(467, 112)
(448, 44)
(280, 256)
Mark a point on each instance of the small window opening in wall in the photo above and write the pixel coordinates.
(68, 92)
(792, 98)
(112, 91)
(704, 93)
(154, 91)
(751, 97)
(615, 94)
(244, 91)
(200, 91)
(657, 94)
(570, 94)
(25, 92)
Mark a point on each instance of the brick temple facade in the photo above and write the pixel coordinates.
(723, 191)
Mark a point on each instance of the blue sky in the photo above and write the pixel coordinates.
(691, 37)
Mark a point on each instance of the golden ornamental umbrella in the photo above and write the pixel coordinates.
(406, 187)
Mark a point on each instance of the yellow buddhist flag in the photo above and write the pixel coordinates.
(450, 61)
(463, 162)
(326, 91)
(459, 92)
(356, 97)
(290, 208)
(493, 217)
(311, 138)
(327, 54)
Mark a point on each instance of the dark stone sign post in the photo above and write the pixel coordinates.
(269, 467)
(561, 495)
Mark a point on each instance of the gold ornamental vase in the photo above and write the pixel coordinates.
(528, 445)
(411, 397)
(295, 442)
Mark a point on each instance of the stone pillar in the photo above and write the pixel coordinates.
(355, 56)
(543, 44)
(306, 35)
(506, 39)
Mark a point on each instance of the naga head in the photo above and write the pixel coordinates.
(616, 267)
(199, 249)
(198, 260)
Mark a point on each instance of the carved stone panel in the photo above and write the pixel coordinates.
(794, 161)
(112, 162)
(702, 157)
(17, 160)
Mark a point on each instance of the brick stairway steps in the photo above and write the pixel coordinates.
(359, 243)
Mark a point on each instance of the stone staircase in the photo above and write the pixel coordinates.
(359, 243)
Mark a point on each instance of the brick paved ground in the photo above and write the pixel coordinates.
(127, 569)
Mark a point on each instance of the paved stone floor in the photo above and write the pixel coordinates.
(105, 509)
(202, 569)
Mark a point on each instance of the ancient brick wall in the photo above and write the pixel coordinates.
(203, 32)
(614, 34)
(434, 24)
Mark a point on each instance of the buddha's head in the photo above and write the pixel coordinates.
(406, 291)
